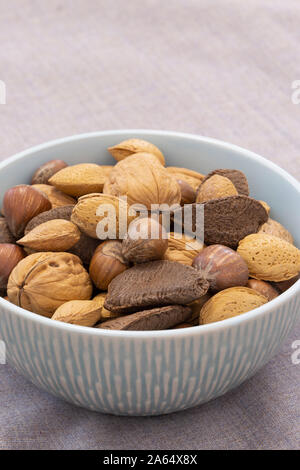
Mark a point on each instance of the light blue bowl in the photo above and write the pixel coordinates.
(151, 373)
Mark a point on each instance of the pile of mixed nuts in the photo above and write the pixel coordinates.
(107, 246)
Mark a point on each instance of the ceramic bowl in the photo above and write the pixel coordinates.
(156, 372)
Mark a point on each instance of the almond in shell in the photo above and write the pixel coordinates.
(79, 312)
(78, 180)
(54, 235)
(112, 213)
(229, 303)
(269, 258)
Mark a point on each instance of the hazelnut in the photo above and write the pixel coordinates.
(146, 240)
(263, 288)
(222, 267)
(188, 194)
(44, 172)
(5, 234)
(10, 255)
(20, 205)
(106, 263)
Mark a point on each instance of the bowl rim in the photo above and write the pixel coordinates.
(196, 330)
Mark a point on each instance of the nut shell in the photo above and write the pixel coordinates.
(266, 206)
(56, 197)
(84, 248)
(237, 177)
(78, 180)
(154, 284)
(188, 194)
(79, 312)
(191, 177)
(215, 187)
(269, 258)
(160, 318)
(285, 285)
(42, 282)
(263, 287)
(146, 240)
(44, 172)
(5, 234)
(228, 220)
(105, 314)
(272, 227)
(196, 307)
(222, 267)
(94, 210)
(63, 212)
(229, 303)
(54, 235)
(10, 256)
(182, 248)
(131, 146)
(20, 205)
(106, 263)
(143, 181)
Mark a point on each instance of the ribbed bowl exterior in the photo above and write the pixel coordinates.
(143, 376)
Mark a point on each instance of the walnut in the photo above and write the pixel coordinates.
(144, 181)
(42, 282)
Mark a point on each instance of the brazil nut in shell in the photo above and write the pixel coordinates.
(154, 284)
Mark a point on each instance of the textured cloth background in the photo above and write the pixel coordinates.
(222, 69)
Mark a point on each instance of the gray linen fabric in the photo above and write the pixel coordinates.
(218, 68)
